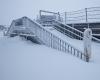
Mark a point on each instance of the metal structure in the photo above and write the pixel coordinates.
(46, 37)
(86, 15)
(82, 19)
(47, 17)
(36, 29)
(71, 31)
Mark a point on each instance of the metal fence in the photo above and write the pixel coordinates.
(86, 15)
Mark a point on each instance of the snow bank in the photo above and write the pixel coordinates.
(22, 60)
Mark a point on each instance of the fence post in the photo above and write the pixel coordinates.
(40, 14)
(87, 43)
(65, 17)
(59, 19)
(86, 15)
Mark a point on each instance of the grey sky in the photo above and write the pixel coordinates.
(12, 9)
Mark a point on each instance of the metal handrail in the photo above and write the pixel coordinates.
(68, 26)
(70, 31)
(86, 12)
(96, 39)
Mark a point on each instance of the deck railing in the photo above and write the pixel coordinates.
(86, 15)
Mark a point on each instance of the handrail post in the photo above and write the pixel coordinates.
(86, 14)
(59, 17)
(65, 17)
(86, 17)
(87, 44)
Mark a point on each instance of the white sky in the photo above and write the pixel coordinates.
(12, 9)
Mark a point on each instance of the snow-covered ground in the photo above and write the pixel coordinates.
(23, 60)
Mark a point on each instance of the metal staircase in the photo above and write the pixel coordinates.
(47, 38)
(70, 31)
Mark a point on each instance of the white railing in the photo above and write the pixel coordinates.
(55, 42)
(50, 39)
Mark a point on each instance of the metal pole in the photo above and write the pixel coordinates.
(86, 14)
(40, 14)
(86, 17)
(59, 17)
(65, 17)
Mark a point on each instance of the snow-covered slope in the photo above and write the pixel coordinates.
(23, 60)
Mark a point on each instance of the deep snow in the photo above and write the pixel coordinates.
(23, 60)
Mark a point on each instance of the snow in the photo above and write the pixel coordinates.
(1, 33)
(23, 60)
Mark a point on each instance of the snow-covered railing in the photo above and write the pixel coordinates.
(48, 38)
(24, 34)
(54, 41)
(67, 30)
(70, 31)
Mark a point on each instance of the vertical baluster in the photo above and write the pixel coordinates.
(60, 45)
(71, 50)
(81, 56)
(51, 40)
(68, 48)
(65, 47)
(77, 53)
(74, 51)
(55, 42)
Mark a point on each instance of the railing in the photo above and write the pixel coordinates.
(55, 42)
(70, 31)
(51, 40)
(52, 15)
(85, 15)
(23, 34)
(67, 30)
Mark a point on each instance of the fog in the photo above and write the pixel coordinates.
(12, 9)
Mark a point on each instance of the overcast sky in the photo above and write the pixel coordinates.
(12, 9)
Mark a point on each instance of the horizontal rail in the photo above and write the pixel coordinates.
(94, 12)
(69, 26)
(23, 34)
(98, 40)
(96, 34)
(70, 31)
(77, 16)
(80, 32)
(48, 11)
